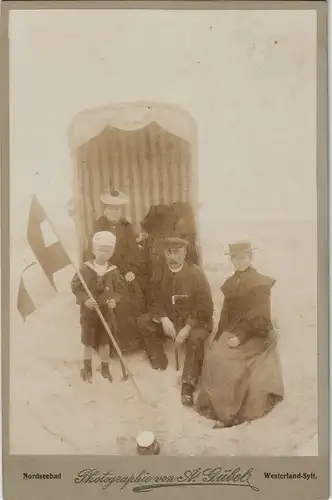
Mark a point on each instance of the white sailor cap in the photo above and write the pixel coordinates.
(103, 239)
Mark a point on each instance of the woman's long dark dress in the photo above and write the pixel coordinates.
(243, 383)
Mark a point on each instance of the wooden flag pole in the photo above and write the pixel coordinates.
(176, 355)
(107, 328)
(115, 329)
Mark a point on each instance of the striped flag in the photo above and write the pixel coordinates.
(37, 283)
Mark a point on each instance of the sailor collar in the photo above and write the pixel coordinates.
(108, 269)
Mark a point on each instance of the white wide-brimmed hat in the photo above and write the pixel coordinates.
(114, 197)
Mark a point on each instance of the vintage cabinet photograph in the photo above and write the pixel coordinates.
(164, 233)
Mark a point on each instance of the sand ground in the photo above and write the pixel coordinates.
(54, 412)
(254, 102)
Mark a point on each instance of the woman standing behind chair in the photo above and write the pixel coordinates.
(127, 259)
(156, 226)
(161, 222)
(184, 227)
(241, 377)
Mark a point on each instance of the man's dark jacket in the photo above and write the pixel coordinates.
(193, 302)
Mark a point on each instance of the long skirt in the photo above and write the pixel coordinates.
(240, 384)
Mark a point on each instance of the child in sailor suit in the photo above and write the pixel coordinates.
(106, 286)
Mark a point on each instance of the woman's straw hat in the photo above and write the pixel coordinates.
(239, 247)
(114, 197)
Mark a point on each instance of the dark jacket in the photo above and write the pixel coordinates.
(102, 288)
(246, 310)
(193, 305)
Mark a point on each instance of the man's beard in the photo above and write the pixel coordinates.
(174, 264)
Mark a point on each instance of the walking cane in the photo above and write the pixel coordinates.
(176, 355)
(107, 328)
(176, 349)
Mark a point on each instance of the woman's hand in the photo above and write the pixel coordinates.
(211, 340)
(234, 342)
(129, 277)
(111, 304)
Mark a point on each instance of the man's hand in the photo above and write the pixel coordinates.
(211, 341)
(111, 304)
(234, 342)
(129, 277)
(91, 304)
(168, 328)
(183, 335)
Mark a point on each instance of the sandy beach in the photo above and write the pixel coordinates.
(54, 412)
(248, 79)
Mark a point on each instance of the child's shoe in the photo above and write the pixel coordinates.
(86, 371)
(105, 372)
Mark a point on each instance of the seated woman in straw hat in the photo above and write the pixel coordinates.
(241, 376)
(126, 258)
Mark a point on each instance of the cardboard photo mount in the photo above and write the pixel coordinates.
(82, 476)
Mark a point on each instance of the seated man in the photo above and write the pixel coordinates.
(181, 308)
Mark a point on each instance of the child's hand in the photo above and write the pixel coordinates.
(91, 304)
(129, 277)
(111, 304)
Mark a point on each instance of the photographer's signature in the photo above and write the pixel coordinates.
(143, 481)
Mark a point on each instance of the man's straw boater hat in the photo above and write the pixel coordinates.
(239, 248)
(114, 198)
(174, 243)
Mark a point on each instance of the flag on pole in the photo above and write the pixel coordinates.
(51, 258)
(37, 283)
(25, 304)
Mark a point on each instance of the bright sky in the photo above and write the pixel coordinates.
(248, 78)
